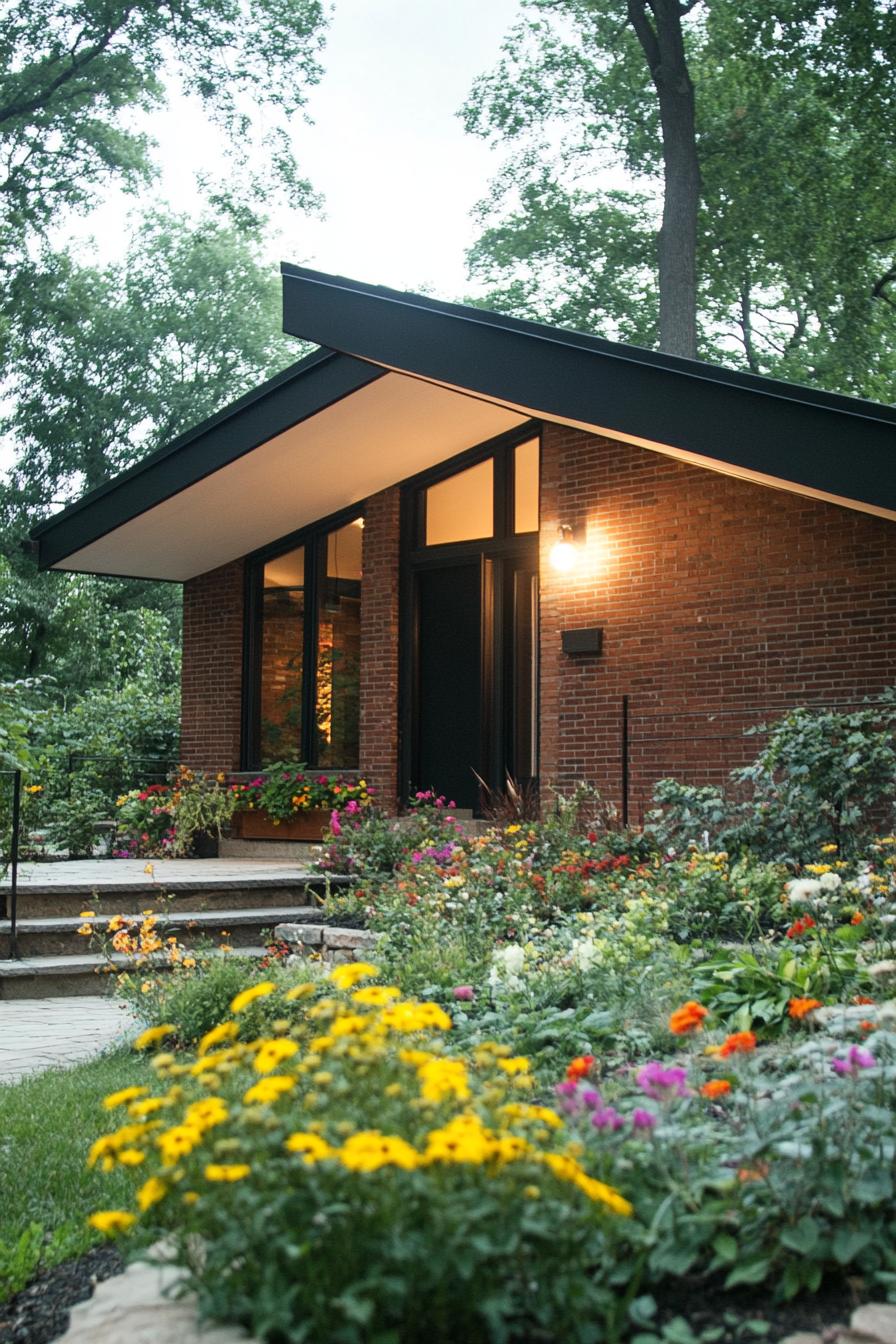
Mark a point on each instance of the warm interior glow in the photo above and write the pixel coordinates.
(525, 486)
(462, 507)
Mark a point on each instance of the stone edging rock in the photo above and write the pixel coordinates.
(133, 1306)
(331, 944)
(875, 1323)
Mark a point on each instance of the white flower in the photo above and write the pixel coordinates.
(583, 954)
(829, 881)
(803, 889)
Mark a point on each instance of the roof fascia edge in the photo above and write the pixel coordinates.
(280, 404)
(761, 425)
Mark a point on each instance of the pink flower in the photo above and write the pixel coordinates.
(857, 1059)
(643, 1119)
(334, 823)
(660, 1083)
(464, 993)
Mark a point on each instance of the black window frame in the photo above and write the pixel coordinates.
(313, 538)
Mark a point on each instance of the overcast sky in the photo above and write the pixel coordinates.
(386, 149)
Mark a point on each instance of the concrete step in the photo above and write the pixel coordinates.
(53, 977)
(59, 935)
(284, 851)
(39, 900)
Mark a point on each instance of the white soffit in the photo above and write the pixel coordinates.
(695, 459)
(374, 438)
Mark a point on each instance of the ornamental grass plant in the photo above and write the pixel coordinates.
(347, 1177)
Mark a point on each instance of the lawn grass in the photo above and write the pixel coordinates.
(47, 1123)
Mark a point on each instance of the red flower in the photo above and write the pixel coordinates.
(738, 1043)
(580, 1067)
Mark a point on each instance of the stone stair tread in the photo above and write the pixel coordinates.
(171, 886)
(274, 914)
(80, 964)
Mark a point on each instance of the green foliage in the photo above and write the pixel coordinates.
(46, 1120)
(795, 245)
(194, 999)
(751, 989)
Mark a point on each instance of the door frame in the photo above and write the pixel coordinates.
(493, 553)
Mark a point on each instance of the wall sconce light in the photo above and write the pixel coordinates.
(564, 553)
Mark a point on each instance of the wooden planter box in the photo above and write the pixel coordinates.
(257, 825)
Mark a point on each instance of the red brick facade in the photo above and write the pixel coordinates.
(716, 597)
(379, 645)
(714, 594)
(212, 675)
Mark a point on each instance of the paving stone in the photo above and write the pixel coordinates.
(803, 1337)
(132, 1306)
(40, 1034)
(877, 1319)
(299, 935)
(348, 938)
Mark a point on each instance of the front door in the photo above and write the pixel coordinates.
(470, 630)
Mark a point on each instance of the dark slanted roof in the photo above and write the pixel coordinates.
(841, 447)
(405, 381)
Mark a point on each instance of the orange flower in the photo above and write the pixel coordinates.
(862, 998)
(716, 1087)
(738, 1043)
(858, 918)
(799, 1008)
(867, 1026)
(580, 1067)
(689, 1017)
(757, 1173)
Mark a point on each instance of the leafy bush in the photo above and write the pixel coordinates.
(347, 1168)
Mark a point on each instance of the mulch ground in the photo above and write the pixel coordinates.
(40, 1311)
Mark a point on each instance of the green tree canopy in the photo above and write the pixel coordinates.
(795, 140)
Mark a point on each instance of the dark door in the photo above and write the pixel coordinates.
(449, 682)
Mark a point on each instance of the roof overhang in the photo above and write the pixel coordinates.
(405, 382)
(829, 447)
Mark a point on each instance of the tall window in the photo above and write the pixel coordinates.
(304, 652)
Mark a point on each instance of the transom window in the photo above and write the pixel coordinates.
(304, 651)
(490, 499)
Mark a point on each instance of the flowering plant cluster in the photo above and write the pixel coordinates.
(404, 1172)
(283, 790)
(144, 822)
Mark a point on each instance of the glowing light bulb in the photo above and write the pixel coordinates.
(564, 555)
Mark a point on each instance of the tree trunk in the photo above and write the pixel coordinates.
(663, 46)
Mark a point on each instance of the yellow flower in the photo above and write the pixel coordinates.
(441, 1078)
(189, 1197)
(154, 1034)
(247, 996)
(130, 1157)
(125, 1094)
(567, 1169)
(829, 849)
(110, 1221)
(85, 930)
(348, 975)
(206, 1114)
(269, 1089)
(34, 788)
(369, 1150)
(519, 1064)
(376, 996)
(138, 1109)
(87, 914)
(226, 1031)
(273, 1053)
(410, 1017)
(178, 1142)
(519, 1110)
(311, 1146)
(150, 1193)
(227, 1171)
(300, 991)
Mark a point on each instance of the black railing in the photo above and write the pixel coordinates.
(8, 907)
(123, 772)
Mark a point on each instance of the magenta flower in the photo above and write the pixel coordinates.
(591, 1099)
(334, 823)
(464, 993)
(856, 1059)
(568, 1095)
(643, 1119)
(607, 1118)
(660, 1083)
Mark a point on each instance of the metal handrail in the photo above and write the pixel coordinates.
(10, 912)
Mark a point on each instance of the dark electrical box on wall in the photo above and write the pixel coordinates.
(583, 641)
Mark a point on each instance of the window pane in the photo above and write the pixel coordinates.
(282, 635)
(461, 508)
(339, 650)
(525, 487)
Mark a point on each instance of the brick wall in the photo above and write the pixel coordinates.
(211, 683)
(715, 595)
(379, 645)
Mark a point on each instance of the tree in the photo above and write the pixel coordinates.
(107, 364)
(797, 215)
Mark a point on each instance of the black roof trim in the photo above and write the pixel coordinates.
(298, 392)
(838, 445)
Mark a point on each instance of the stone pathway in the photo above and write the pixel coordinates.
(40, 1034)
(119, 873)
